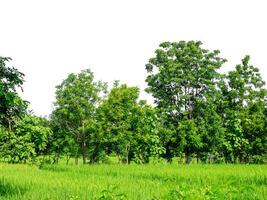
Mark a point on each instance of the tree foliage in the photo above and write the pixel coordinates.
(26, 141)
(76, 100)
(182, 79)
(11, 105)
(128, 126)
(198, 114)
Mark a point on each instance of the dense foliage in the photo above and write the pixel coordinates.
(198, 114)
(11, 105)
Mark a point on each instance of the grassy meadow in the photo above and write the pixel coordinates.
(160, 181)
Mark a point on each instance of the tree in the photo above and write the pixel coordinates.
(38, 132)
(14, 148)
(181, 76)
(210, 127)
(245, 96)
(26, 141)
(61, 141)
(129, 127)
(116, 115)
(77, 98)
(11, 105)
(148, 143)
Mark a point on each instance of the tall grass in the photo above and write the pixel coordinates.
(133, 182)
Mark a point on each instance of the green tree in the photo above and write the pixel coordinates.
(11, 105)
(244, 112)
(16, 148)
(61, 142)
(34, 128)
(148, 143)
(116, 115)
(26, 141)
(210, 127)
(181, 76)
(77, 98)
(129, 127)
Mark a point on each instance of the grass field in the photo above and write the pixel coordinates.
(133, 182)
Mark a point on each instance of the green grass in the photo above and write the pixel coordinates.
(133, 182)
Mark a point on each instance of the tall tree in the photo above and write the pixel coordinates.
(11, 105)
(244, 116)
(77, 98)
(180, 76)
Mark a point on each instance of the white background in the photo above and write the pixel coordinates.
(49, 39)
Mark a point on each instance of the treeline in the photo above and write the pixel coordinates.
(198, 113)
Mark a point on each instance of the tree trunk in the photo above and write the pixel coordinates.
(188, 158)
(127, 149)
(68, 159)
(77, 159)
(56, 158)
(83, 149)
(58, 155)
(43, 159)
(83, 143)
(92, 158)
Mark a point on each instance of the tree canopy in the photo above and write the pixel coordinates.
(199, 114)
(11, 105)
